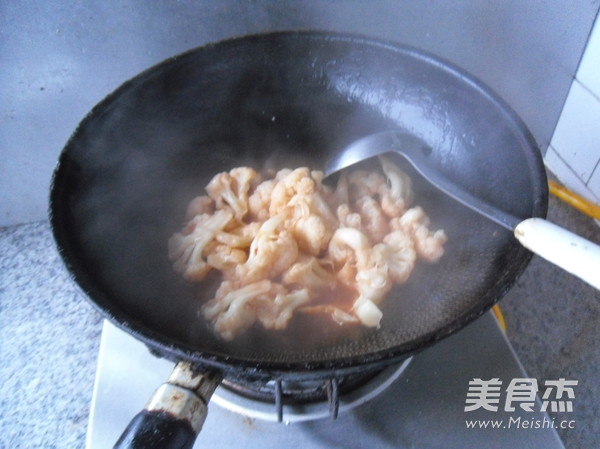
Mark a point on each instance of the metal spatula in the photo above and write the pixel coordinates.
(555, 244)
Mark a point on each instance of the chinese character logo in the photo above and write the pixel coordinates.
(483, 394)
(520, 393)
(560, 388)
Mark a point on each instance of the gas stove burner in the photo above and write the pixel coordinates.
(293, 401)
(297, 391)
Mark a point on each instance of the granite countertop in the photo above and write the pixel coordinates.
(49, 337)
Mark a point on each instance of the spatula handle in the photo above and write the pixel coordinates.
(569, 251)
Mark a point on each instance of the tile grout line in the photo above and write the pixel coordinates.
(568, 167)
(596, 167)
(587, 89)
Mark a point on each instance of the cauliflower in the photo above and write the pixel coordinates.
(351, 248)
(289, 184)
(225, 258)
(311, 221)
(260, 200)
(429, 245)
(347, 218)
(398, 197)
(275, 313)
(362, 183)
(373, 269)
(349, 245)
(367, 311)
(341, 193)
(337, 314)
(230, 312)
(186, 249)
(311, 272)
(240, 237)
(232, 189)
(200, 205)
(288, 243)
(271, 252)
(230, 249)
(233, 310)
(372, 282)
(373, 221)
(398, 253)
(281, 174)
(393, 196)
(312, 234)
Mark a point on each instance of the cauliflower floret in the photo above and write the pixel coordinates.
(389, 262)
(280, 174)
(341, 193)
(429, 245)
(271, 252)
(317, 176)
(225, 258)
(295, 182)
(347, 218)
(346, 274)
(318, 206)
(232, 189)
(311, 234)
(186, 249)
(373, 282)
(348, 248)
(337, 314)
(399, 195)
(234, 309)
(367, 312)
(394, 195)
(240, 237)
(200, 205)
(317, 275)
(311, 222)
(260, 199)
(230, 312)
(398, 252)
(349, 244)
(324, 190)
(364, 183)
(275, 313)
(374, 222)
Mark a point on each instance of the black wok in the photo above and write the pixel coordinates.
(284, 100)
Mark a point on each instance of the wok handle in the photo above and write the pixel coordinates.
(174, 415)
(566, 250)
(155, 430)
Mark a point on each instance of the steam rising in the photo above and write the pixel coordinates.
(284, 100)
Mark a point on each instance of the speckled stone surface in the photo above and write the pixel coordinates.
(49, 336)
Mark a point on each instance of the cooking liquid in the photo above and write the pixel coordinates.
(310, 325)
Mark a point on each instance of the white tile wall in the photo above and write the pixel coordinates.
(567, 175)
(574, 152)
(588, 72)
(577, 134)
(594, 183)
